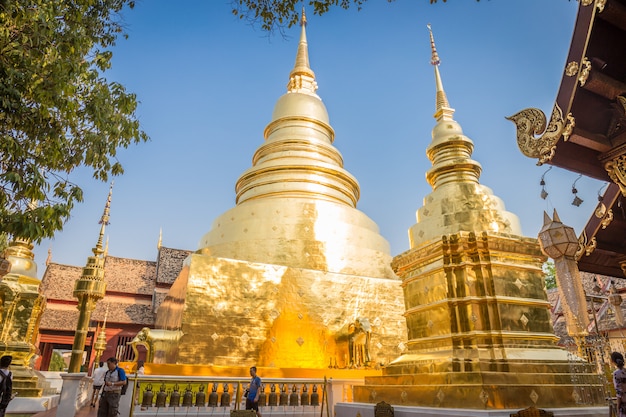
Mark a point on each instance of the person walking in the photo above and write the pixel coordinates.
(254, 390)
(114, 379)
(6, 383)
(98, 380)
(619, 381)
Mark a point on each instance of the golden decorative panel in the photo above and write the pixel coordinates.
(571, 69)
(584, 71)
(617, 172)
(606, 221)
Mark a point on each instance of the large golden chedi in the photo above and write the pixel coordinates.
(479, 329)
(293, 276)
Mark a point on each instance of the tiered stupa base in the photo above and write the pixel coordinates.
(367, 410)
(238, 313)
(489, 385)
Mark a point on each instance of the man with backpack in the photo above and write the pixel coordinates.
(6, 383)
(114, 381)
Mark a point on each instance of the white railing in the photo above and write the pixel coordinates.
(165, 396)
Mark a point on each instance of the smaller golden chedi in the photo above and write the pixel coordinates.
(21, 307)
(479, 329)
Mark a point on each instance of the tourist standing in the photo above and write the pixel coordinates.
(619, 380)
(98, 380)
(6, 384)
(114, 379)
(252, 401)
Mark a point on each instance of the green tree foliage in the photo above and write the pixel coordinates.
(278, 14)
(56, 362)
(57, 111)
(550, 271)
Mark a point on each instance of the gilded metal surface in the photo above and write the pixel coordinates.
(617, 172)
(531, 122)
(88, 289)
(479, 329)
(281, 276)
(585, 70)
(582, 244)
(21, 307)
(101, 341)
(480, 332)
(155, 342)
(571, 69)
(570, 123)
(234, 312)
(606, 221)
(600, 5)
(458, 201)
(559, 242)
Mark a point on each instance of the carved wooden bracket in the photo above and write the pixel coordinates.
(531, 122)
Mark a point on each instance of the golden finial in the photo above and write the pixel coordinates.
(49, 258)
(104, 221)
(160, 238)
(101, 340)
(434, 60)
(443, 110)
(302, 77)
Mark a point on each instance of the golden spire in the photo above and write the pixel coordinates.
(106, 248)
(454, 176)
(88, 289)
(443, 109)
(49, 258)
(104, 221)
(101, 342)
(160, 242)
(302, 77)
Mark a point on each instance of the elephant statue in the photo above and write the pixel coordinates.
(159, 343)
(360, 335)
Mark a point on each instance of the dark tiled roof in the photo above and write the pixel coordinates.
(58, 281)
(121, 311)
(122, 275)
(132, 297)
(169, 264)
(129, 275)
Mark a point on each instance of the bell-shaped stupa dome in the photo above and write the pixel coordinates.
(296, 205)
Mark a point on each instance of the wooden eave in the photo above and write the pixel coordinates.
(600, 124)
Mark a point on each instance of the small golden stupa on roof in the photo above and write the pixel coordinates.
(293, 276)
(479, 329)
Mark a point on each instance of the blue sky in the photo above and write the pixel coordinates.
(208, 82)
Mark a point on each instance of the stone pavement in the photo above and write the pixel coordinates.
(83, 412)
